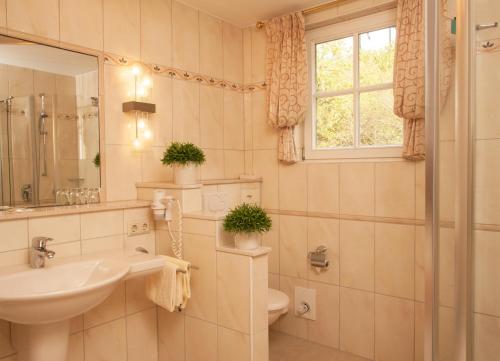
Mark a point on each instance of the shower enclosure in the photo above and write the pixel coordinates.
(462, 310)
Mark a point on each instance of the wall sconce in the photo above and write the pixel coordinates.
(140, 108)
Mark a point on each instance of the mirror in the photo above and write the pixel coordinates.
(49, 125)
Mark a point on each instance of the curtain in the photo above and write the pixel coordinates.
(409, 76)
(409, 72)
(286, 80)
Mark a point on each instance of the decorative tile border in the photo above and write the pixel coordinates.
(175, 73)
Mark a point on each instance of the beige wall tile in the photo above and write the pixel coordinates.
(186, 37)
(357, 249)
(293, 246)
(323, 188)
(420, 190)
(5, 339)
(76, 348)
(289, 323)
(211, 117)
(487, 178)
(201, 340)
(487, 332)
(14, 235)
(259, 293)
(446, 333)
(419, 331)
(161, 121)
(260, 346)
(258, 55)
(156, 31)
(171, 332)
(233, 53)
(446, 267)
(233, 291)
(486, 270)
(102, 244)
(101, 224)
(419, 263)
(247, 115)
(272, 239)
(3, 13)
(323, 231)
(200, 251)
(111, 309)
(211, 49)
(34, 17)
(394, 329)
(293, 187)
(486, 87)
(357, 189)
(264, 136)
(186, 111)
(122, 25)
(234, 130)
(82, 23)
(357, 333)
(123, 171)
(234, 163)
(395, 260)
(70, 249)
(247, 55)
(213, 168)
(14, 258)
(325, 329)
(233, 345)
(107, 342)
(142, 340)
(135, 296)
(61, 229)
(265, 164)
(395, 189)
(447, 181)
(152, 168)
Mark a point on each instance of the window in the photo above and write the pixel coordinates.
(352, 99)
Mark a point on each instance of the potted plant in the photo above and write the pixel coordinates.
(185, 159)
(247, 222)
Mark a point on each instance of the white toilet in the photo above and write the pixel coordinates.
(277, 305)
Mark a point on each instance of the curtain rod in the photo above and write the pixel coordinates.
(313, 10)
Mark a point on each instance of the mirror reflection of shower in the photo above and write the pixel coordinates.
(43, 134)
(6, 168)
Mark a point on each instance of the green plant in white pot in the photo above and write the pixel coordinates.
(247, 222)
(185, 158)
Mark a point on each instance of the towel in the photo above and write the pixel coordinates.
(168, 288)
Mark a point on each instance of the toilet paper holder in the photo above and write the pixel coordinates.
(317, 258)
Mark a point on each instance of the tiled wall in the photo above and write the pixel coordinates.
(369, 214)
(162, 32)
(124, 326)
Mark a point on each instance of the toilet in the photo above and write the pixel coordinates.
(277, 305)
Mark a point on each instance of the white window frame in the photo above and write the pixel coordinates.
(333, 32)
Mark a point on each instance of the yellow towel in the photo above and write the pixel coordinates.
(168, 288)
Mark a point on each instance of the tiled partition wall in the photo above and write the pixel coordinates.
(124, 326)
(370, 216)
(162, 32)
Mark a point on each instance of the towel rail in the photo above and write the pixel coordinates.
(190, 266)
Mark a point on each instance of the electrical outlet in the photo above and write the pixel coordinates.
(135, 228)
(305, 303)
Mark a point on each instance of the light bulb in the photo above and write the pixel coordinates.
(147, 134)
(136, 143)
(136, 70)
(141, 124)
(146, 82)
(141, 92)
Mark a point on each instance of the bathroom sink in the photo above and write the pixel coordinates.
(57, 292)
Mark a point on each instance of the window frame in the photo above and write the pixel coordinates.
(334, 32)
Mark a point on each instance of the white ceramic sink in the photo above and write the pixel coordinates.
(58, 292)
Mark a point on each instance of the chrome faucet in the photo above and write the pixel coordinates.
(39, 252)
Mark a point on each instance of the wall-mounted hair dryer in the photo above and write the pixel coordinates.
(162, 207)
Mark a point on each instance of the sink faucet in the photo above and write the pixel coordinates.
(39, 252)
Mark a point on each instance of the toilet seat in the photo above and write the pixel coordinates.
(277, 300)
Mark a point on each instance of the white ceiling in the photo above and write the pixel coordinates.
(244, 13)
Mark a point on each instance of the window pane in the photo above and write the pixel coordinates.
(379, 125)
(335, 122)
(376, 56)
(334, 65)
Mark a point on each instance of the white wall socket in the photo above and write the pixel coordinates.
(305, 296)
(135, 228)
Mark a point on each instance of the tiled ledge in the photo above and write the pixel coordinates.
(249, 253)
(63, 210)
(207, 216)
(168, 185)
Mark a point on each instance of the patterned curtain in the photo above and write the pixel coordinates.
(409, 72)
(286, 80)
(409, 76)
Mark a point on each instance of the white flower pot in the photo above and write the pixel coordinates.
(186, 174)
(247, 241)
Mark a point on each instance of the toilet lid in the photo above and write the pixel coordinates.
(277, 300)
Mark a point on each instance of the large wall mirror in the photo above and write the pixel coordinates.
(49, 125)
